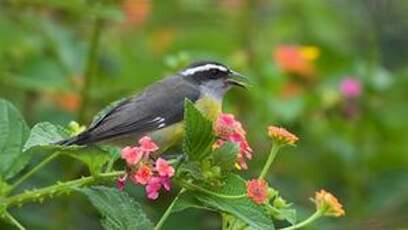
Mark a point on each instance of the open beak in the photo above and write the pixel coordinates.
(238, 79)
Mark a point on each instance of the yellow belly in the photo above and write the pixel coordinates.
(173, 135)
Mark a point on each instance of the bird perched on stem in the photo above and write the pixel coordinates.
(158, 110)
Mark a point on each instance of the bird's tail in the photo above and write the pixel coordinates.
(80, 139)
(68, 142)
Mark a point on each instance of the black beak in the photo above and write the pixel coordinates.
(237, 79)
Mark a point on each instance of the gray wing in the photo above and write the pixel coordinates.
(159, 106)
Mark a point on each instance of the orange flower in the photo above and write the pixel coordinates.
(328, 204)
(68, 101)
(257, 190)
(298, 60)
(281, 135)
(136, 11)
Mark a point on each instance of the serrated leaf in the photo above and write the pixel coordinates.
(226, 155)
(119, 211)
(13, 134)
(44, 135)
(198, 133)
(254, 215)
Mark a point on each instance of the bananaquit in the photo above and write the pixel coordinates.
(158, 110)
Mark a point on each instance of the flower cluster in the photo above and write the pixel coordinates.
(328, 204)
(143, 170)
(297, 60)
(229, 129)
(257, 191)
(281, 136)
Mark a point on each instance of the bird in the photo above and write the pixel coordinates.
(158, 110)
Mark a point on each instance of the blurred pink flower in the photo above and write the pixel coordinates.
(164, 168)
(229, 129)
(350, 88)
(142, 175)
(131, 155)
(147, 145)
(153, 188)
(154, 185)
(120, 183)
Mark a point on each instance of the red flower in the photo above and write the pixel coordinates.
(143, 175)
(147, 145)
(257, 190)
(131, 155)
(163, 168)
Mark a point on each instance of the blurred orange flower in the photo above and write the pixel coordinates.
(328, 204)
(297, 60)
(136, 11)
(68, 101)
(281, 135)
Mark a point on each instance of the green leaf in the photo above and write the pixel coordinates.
(226, 155)
(13, 134)
(288, 214)
(44, 135)
(190, 169)
(254, 215)
(119, 211)
(198, 133)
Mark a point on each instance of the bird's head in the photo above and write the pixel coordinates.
(213, 77)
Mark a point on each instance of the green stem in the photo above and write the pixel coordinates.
(32, 171)
(309, 220)
(201, 189)
(59, 188)
(89, 69)
(167, 213)
(271, 157)
(14, 221)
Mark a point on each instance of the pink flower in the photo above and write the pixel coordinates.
(121, 182)
(131, 155)
(163, 168)
(165, 181)
(226, 125)
(147, 145)
(154, 185)
(257, 190)
(142, 175)
(153, 188)
(350, 88)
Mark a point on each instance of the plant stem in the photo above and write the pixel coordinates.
(59, 188)
(201, 189)
(309, 220)
(89, 69)
(14, 221)
(32, 171)
(271, 157)
(167, 213)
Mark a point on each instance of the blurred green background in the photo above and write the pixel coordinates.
(332, 71)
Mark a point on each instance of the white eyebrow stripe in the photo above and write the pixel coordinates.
(196, 69)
